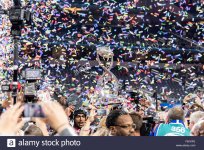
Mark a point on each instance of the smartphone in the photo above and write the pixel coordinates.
(101, 112)
(33, 110)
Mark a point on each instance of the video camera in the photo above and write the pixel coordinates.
(17, 15)
(31, 86)
(147, 126)
(135, 96)
(9, 87)
(149, 123)
(31, 76)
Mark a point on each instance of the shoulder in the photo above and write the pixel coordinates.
(157, 127)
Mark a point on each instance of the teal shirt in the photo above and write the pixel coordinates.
(175, 128)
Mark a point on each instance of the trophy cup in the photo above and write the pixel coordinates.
(107, 85)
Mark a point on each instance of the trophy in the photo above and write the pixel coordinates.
(107, 85)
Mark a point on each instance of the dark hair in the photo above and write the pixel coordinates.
(113, 116)
(79, 111)
(1, 109)
(137, 119)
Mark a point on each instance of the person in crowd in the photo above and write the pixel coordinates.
(174, 125)
(137, 119)
(194, 117)
(198, 129)
(120, 123)
(80, 118)
(86, 129)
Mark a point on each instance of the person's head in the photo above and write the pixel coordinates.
(137, 120)
(198, 129)
(175, 113)
(194, 117)
(33, 130)
(79, 118)
(120, 123)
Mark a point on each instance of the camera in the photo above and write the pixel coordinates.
(17, 15)
(31, 86)
(134, 96)
(147, 126)
(31, 74)
(30, 90)
(9, 87)
(5, 88)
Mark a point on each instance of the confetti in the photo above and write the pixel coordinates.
(161, 32)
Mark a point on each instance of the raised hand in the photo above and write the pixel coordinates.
(9, 120)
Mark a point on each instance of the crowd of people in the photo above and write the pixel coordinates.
(63, 33)
(117, 119)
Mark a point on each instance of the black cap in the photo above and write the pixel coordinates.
(79, 111)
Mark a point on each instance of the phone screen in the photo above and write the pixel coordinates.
(101, 112)
(33, 110)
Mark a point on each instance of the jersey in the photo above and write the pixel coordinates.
(172, 129)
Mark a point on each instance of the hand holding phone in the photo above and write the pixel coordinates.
(33, 110)
(101, 112)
